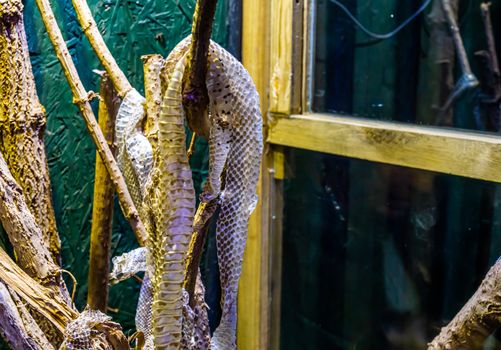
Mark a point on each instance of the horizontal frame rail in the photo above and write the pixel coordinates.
(450, 151)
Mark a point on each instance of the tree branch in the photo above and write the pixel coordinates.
(81, 98)
(25, 236)
(102, 209)
(89, 27)
(478, 318)
(201, 224)
(49, 305)
(22, 124)
(195, 96)
(17, 326)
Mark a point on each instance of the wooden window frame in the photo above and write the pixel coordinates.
(278, 50)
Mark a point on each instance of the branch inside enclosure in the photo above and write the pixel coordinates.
(81, 98)
(22, 124)
(92, 33)
(195, 96)
(17, 326)
(102, 209)
(25, 235)
(201, 225)
(478, 318)
(51, 306)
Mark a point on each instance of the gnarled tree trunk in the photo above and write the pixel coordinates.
(22, 124)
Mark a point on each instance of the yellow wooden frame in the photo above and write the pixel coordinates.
(451, 151)
(270, 38)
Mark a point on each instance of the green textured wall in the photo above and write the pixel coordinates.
(131, 29)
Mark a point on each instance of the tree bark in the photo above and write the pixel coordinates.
(50, 305)
(102, 209)
(478, 318)
(195, 95)
(17, 326)
(201, 224)
(22, 124)
(26, 237)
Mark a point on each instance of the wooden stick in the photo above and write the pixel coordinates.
(478, 318)
(191, 149)
(195, 95)
(201, 224)
(102, 209)
(195, 101)
(81, 99)
(89, 27)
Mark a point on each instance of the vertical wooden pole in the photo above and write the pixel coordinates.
(253, 294)
(102, 209)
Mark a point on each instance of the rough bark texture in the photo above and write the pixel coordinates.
(17, 326)
(22, 124)
(43, 299)
(195, 96)
(201, 224)
(478, 318)
(24, 234)
(50, 305)
(102, 210)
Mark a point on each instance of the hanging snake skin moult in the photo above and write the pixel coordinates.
(234, 106)
(235, 147)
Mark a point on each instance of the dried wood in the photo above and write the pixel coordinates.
(196, 101)
(92, 33)
(25, 235)
(195, 95)
(17, 326)
(50, 305)
(201, 224)
(81, 98)
(22, 124)
(102, 209)
(478, 318)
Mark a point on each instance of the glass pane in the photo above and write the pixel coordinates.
(378, 256)
(409, 76)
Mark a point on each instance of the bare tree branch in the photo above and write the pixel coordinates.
(195, 96)
(478, 318)
(102, 209)
(92, 33)
(81, 98)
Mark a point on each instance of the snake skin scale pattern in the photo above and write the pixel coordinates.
(160, 178)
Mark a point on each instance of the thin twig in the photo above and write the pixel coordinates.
(195, 96)
(191, 149)
(75, 284)
(81, 98)
(89, 27)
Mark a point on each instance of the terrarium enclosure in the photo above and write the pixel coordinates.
(251, 174)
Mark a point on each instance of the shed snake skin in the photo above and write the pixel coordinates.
(160, 180)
